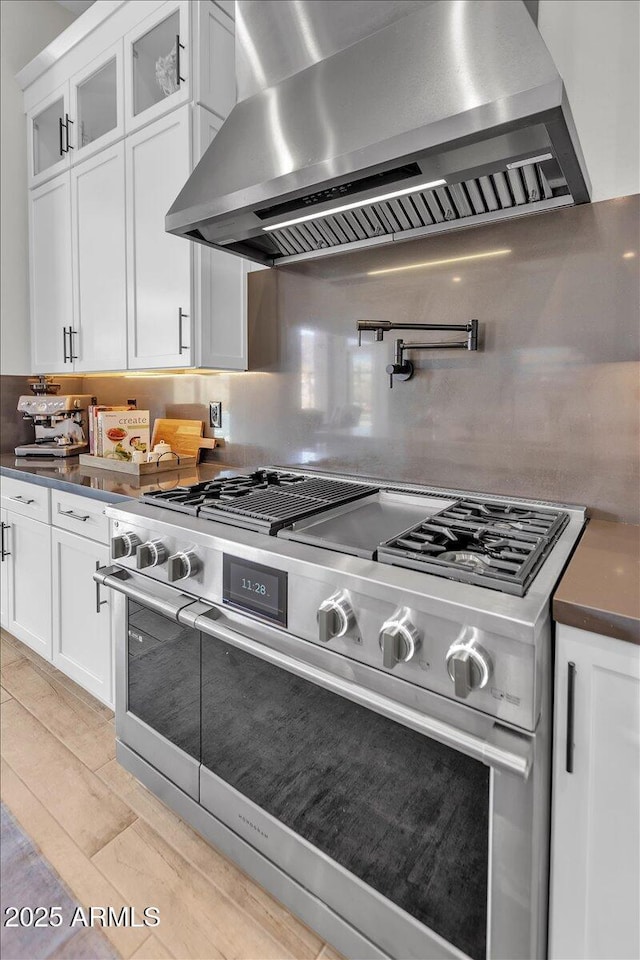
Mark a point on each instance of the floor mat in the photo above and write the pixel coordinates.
(28, 880)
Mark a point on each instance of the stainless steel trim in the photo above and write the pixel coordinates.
(119, 580)
(490, 754)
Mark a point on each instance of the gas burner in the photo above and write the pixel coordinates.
(494, 545)
(265, 500)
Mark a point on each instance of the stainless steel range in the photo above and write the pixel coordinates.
(345, 685)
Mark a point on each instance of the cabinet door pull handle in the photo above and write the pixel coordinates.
(181, 316)
(64, 343)
(99, 602)
(66, 126)
(60, 129)
(179, 47)
(571, 694)
(27, 502)
(4, 553)
(74, 515)
(72, 356)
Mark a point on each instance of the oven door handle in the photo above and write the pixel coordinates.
(505, 750)
(121, 581)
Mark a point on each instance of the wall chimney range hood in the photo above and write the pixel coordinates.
(360, 123)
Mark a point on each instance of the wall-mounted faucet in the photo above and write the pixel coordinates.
(402, 368)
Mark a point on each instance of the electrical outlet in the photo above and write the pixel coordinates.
(215, 413)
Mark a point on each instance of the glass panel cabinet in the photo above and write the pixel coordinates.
(157, 64)
(97, 101)
(48, 136)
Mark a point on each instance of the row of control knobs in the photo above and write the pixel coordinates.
(153, 553)
(468, 665)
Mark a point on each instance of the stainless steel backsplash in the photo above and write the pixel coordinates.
(547, 408)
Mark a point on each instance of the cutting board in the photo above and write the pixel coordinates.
(183, 436)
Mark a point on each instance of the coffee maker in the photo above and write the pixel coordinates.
(60, 422)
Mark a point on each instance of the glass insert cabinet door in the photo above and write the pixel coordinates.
(97, 100)
(158, 64)
(49, 153)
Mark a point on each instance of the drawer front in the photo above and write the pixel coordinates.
(80, 515)
(25, 498)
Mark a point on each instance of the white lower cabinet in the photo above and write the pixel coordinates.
(28, 582)
(595, 848)
(81, 616)
(5, 555)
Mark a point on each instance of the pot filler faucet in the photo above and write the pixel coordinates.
(401, 368)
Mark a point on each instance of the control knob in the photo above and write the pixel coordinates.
(468, 664)
(182, 565)
(125, 545)
(335, 616)
(150, 554)
(398, 639)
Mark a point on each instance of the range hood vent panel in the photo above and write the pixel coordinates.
(396, 108)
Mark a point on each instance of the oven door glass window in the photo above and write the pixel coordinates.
(405, 814)
(164, 676)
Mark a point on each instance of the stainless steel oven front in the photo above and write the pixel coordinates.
(413, 822)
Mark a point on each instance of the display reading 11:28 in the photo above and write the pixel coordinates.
(254, 586)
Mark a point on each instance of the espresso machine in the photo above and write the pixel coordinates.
(60, 421)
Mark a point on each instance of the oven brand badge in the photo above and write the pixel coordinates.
(253, 827)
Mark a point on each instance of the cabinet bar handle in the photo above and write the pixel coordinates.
(66, 126)
(179, 47)
(22, 499)
(74, 515)
(571, 694)
(72, 356)
(64, 344)
(181, 316)
(60, 129)
(4, 553)
(99, 602)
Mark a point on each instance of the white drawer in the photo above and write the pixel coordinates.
(81, 515)
(27, 499)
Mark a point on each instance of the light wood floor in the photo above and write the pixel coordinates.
(113, 843)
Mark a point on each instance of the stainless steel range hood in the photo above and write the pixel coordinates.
(365, 122)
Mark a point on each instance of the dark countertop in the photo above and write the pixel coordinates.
(600, 589)
(67, 474)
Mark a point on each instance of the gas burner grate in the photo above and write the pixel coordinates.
(495, 545)
(265, 500)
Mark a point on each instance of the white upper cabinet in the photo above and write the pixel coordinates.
(216, 67)
(48, 136)
(158, 64)
(99, 256)
(51, 277)
(221, 284)
(131, 107)
(97, 104)
(159, 264)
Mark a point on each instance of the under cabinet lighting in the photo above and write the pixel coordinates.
(356, 204)
(529, 160)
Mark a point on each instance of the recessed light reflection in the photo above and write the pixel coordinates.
(441, 263)
(456, 279)
(629, 255)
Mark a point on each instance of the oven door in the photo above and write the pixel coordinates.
(157, 676)
(382, 811)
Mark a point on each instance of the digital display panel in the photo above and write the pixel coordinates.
(255, 588)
